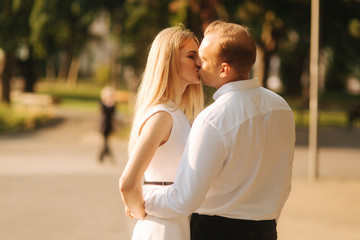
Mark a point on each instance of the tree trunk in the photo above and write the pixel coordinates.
(28, 71)
(292, 74)
(258, 68)
(73, 72)
(50, 69)
(64, 65)
(116, 70)
(6, 77)
(266, 66)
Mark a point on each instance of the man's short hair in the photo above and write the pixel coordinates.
(235, 44)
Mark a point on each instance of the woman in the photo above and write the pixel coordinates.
(169, 98)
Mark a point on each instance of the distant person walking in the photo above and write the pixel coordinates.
(107, 121)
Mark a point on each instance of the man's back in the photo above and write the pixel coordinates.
(256, 129)
(237, 162)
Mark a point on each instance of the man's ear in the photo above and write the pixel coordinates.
(225, 70)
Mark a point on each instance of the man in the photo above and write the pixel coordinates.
(235, 173)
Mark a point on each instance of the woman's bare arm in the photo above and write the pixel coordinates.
(155, 132)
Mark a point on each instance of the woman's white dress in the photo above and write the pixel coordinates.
(163, 168)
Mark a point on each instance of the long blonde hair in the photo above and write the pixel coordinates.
(161, 79)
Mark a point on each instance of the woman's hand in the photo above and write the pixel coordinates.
(132, 216)
(154, 132)
(128, 212)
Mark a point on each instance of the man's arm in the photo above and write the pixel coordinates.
(202, 160)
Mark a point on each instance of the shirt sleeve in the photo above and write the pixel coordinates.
(201, 162)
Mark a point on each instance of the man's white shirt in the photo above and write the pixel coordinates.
(237, 161)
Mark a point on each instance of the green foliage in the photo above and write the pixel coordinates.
(14, 27)
(339, 23)
(14, 119)
(326, 118)
(142, 20)
(282, 27)
(102, 74)
(60, 24)
(84, 97)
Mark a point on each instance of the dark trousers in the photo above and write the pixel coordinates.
(106, 149)
(205, 227)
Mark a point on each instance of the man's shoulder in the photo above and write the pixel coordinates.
(210, 112)
(279, 102)
(215, 115)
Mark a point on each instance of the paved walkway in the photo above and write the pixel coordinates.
(52, 187)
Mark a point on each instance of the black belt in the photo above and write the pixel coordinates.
(158, 183)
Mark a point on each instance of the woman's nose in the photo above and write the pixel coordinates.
(197, 67)
(198, 63)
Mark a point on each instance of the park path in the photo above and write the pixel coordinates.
(52, 187)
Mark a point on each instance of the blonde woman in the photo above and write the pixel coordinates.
(169, 98)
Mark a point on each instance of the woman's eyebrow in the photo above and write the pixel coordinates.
(192, 51)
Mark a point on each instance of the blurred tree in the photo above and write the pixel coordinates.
(116, 9)
(283, 28)
(143, 19)
(14, 31)
(270, 23)
(57, 31)
(60, 30)
(197, 14)
(61, 27)
(294, 45)
(276, 30)
(340, 36)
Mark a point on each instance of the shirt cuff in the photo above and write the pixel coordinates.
(148, 192)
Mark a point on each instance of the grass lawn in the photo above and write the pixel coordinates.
(85, 97)
(325, 118)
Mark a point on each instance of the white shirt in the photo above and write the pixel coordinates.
(238, 159)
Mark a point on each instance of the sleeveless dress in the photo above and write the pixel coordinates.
(163, 168)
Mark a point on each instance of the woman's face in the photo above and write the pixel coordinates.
(189, 72)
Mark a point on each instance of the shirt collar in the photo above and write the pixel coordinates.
(236, 85)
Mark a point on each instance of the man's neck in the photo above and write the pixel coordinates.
(239, 78)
